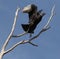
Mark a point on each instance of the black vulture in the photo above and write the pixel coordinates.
(34, 17)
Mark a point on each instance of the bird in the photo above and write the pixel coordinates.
(34, 18)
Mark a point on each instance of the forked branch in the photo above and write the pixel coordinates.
(46, 27)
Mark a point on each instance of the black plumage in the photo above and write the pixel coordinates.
(34, 17)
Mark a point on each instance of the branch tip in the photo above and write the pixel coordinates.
(33, 44)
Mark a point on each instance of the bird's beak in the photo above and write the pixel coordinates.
(26, 9)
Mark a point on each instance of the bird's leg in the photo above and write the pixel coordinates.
(30, 35)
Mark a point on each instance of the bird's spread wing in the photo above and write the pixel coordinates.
(33, 18)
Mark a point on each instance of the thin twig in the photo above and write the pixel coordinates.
(15, 36)
(33, 44)
(51, 16)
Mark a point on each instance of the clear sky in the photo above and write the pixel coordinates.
(48, 42)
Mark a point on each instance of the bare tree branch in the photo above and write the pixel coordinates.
(21, 42)
(51, 16)
(13, 27)
(19, 35)
(46, 27)
(32, 44)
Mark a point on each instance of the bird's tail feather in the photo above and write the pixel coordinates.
(25, 27)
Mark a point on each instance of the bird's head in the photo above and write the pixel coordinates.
(29, 8)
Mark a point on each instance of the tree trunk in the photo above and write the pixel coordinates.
(1, 55)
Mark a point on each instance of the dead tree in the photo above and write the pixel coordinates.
(46, 27)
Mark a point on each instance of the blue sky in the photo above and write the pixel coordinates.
(49, 41)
